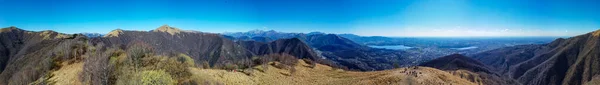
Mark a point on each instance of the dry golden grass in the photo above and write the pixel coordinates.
(47, 35)
(473, 77)
(68, 74)
(168, 29)
(319, 75)
(114, 33)
(596, 33)
(325, 75)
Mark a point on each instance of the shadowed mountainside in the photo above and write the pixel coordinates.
(202, 47)
(26, 56)
(469, 69)
(571, 61)
(343, 52)
(456, 62)
(51, 50)
(293, 46)
(214, 49)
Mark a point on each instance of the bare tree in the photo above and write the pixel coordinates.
(97, 69)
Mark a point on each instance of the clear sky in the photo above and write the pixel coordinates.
(362, 17)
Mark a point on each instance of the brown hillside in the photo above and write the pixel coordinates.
(572, 61)
(209, 48)
(293, 46)
(27, 56)
(325, 75)
(469, 69)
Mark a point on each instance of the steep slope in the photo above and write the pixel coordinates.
(293, 46)
(456, 62)
(469, 69)
(26, 56)
(502, 58)
(213, 49)
(571, 61)
(323, 40)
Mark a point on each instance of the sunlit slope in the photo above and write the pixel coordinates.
(325, 75)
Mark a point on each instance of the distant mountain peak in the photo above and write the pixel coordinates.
(168, 29)
(48, 33)
(262, 31)
(114, 33)
(13, 27)
(316, 33)
(255, 31)
(91, 35)
(9, 29)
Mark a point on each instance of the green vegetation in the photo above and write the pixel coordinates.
(186, 59)
(153, 77)
(136, 66)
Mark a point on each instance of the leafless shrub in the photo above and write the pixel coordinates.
(311, 64)
(136, 53)
(292, 70)
(248, 71)
(97, 68)
(70, 51)
(205, 65)
(178, 70)
(265, 67)
(264, 62)
(286, 61)
(229, 66)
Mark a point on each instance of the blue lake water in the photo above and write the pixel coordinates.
(393, 47)
(465, 48)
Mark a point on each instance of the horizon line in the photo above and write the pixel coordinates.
(265, 30)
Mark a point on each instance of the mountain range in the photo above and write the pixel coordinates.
(341, 51)
(44, 57)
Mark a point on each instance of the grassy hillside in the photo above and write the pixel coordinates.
(325, 75)
(305, 75)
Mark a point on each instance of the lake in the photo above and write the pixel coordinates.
(393, 47)
(465, 48)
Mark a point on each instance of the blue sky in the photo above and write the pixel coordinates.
(362, 17)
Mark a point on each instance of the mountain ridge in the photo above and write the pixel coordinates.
(167, 29)
(469, 69)
(25, 56)
(564, 61)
